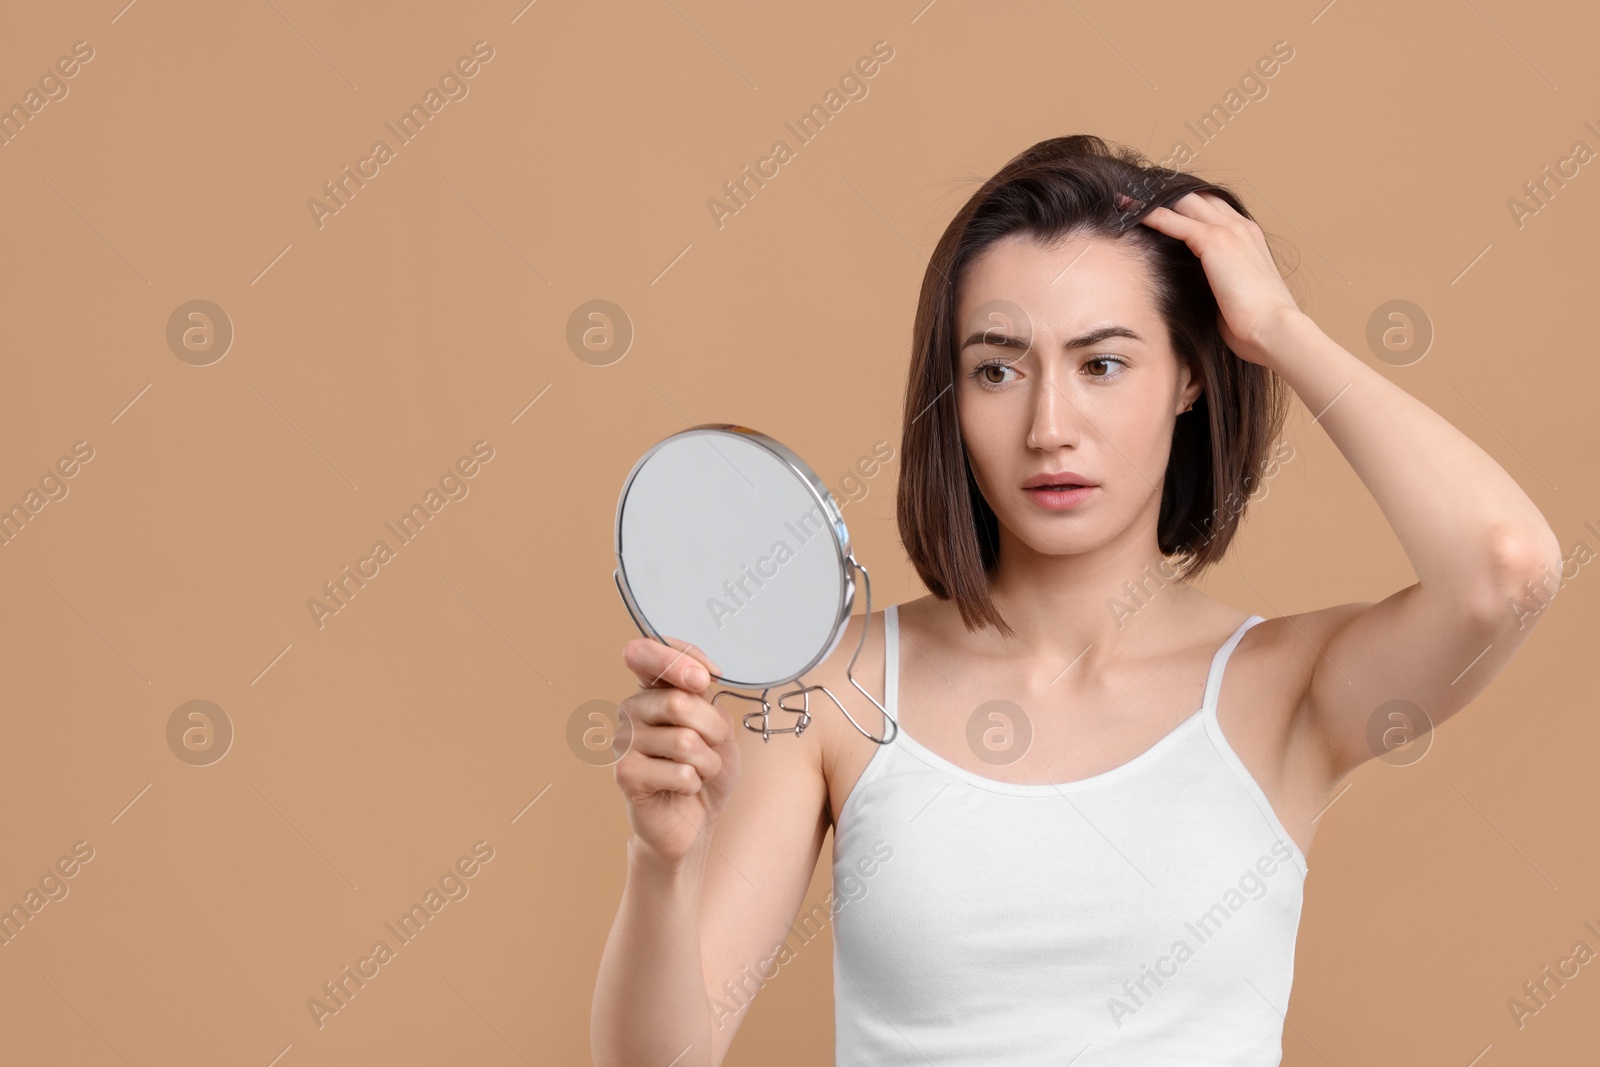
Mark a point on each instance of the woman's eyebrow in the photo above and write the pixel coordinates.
(993, 337)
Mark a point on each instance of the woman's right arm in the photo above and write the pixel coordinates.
(713, 881)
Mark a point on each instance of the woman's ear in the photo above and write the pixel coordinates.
(1189, 387)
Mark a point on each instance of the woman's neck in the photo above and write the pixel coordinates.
(1058, 606)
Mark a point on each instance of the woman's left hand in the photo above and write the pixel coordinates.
(1250, 292)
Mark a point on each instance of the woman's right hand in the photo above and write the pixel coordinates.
(682, 755)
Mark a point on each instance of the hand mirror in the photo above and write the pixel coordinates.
(728, 541)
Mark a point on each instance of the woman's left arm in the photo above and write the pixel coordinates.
(1472, 535)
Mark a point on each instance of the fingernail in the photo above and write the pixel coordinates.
(698, 677)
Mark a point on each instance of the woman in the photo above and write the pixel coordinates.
(1089, 837)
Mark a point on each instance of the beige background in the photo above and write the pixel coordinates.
(432, 309)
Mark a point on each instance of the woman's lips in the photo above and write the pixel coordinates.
(1059, 498)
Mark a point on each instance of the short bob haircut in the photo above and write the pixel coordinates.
(1061, 187)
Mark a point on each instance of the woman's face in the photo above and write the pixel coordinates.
(1065, 376)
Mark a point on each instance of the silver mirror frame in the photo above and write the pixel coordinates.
(840, 536)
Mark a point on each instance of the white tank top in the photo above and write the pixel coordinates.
(1146, 915)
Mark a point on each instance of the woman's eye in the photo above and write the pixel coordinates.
(1105, 362)
(991, 374)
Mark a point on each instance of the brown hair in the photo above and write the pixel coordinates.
(1059, 187)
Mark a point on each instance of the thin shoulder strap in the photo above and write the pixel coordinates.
(1219, 663)
(891, 658)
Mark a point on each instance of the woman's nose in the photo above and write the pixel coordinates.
(1055, 419)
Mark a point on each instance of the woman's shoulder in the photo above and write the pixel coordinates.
(842, 751)
(835, 670)
(1292, 644)
(862, 641)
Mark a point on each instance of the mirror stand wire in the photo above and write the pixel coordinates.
(766, 730)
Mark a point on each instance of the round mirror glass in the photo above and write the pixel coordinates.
(727, 540)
